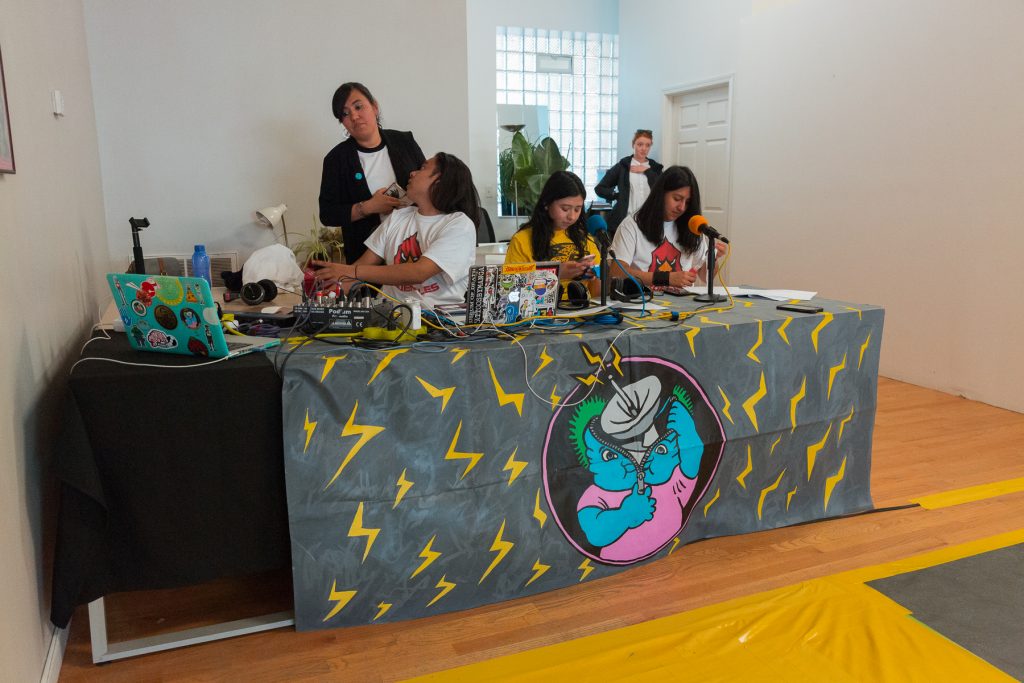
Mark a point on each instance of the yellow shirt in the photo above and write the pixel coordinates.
(520, 249)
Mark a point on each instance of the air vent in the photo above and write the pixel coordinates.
(179, 265)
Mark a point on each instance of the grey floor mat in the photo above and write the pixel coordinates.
(977, 602)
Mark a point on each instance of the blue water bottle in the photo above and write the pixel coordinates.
(201, 264)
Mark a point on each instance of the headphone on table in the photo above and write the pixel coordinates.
(574, 296)
(254, 293)
(626, 291)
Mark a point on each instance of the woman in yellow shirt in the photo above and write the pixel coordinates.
(557, 231)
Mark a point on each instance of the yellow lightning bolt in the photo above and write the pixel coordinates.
(357, 530)
(539, 514)
(830, 482)
(364, 432)
(428, 554)
(694, 331)
(443, 394)
(538, 571)
(742, 479)
(555, 398)
(789, 497)
(793, 402)
(863, 348)
(453, 454)
(544, 360)
(711, 502)
(382, 609)
(842, 423)
(459, 353)
(403, 485)
(814, 449)
(616, 358)
(573, 334)
(748, 304)
(586, 568)
(771, 451)
(708, 321)
(503, 398)
(748, 405)
(851, 308)
(760, 338)
(329, 362)
(590, 379)
(446, 588)
(514, 466)
(765, 491)
(832, 372)
(826, 318)
(675, 544)
(500, 546)
(309, 427)
(384, 362)
(725, 409)
(592, 358)
(340, 598)
(516, 338)
(782, 330)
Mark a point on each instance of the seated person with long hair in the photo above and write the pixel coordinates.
(557, 231)
(655, 244)
(421, 252)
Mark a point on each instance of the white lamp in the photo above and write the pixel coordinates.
(270, 216)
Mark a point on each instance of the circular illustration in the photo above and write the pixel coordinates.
(625, 467)
(165, 317)
(159, 339)
(168, 290)
(138, 307)
(190, 318)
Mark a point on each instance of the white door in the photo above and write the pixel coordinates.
(698, 137)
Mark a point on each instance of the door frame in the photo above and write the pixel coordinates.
(667, 142)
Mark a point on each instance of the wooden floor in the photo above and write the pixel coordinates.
(925, 442)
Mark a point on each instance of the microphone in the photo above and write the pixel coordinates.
(698, 224)
(597, 226)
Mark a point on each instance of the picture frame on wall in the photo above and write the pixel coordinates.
(6, 141)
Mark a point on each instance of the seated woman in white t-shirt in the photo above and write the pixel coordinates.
(421, 252)
(655, 245)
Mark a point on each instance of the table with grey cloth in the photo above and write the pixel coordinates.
(431, 479)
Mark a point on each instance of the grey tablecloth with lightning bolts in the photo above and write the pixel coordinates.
(422, 482)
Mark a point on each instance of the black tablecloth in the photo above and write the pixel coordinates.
(169, 476)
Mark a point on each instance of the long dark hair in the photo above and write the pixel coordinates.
(560, 185)
(651, 216)
(342, 94)
(454, 190)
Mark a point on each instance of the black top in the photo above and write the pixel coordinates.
(344, 184)
(615, 187)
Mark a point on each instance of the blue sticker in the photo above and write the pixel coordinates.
(359, 176)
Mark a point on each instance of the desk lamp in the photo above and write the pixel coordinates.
(270, 216)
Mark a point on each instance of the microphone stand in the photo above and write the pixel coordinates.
(710, 297)
(137, 225)
(604, 273)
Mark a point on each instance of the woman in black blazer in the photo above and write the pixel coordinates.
(628, 183)
(358, 171)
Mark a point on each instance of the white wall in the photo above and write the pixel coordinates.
(209, 110)
(482, 18)
(52, 262)
(876, 158)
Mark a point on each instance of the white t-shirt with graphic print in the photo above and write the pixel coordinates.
(449, 240)
(631, 246)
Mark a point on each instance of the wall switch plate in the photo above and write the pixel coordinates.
(57, 99)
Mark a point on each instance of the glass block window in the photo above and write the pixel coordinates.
(576, 76)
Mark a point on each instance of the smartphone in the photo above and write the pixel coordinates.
(800, 308)
(395, 190)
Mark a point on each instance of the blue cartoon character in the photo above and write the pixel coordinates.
(644, 454)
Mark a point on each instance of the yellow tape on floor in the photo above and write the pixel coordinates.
(969, 495)
(829, 629)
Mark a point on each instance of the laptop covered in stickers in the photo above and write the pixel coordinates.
(167, 314)
(512, 292)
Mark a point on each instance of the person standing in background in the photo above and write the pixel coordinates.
(358, 172)
(628, 183)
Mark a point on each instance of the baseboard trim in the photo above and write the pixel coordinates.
(55, 655)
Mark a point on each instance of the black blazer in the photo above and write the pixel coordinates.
(615, 187)
(343, 185)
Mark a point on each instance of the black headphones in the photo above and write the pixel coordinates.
(254, 293)
(625, 290)
(576, 296)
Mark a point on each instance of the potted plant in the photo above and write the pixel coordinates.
(523, 168)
